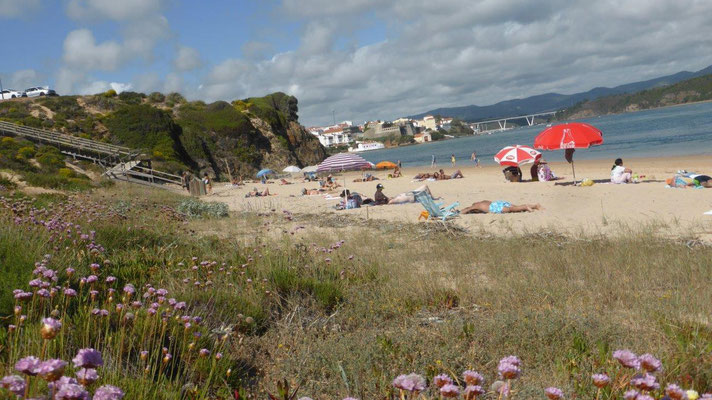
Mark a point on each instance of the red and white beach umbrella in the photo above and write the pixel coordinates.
(343, 162)
(516, 155)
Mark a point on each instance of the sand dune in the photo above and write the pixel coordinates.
(600, 209)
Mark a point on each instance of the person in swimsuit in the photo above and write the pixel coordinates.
(701, 180)
(499, 207)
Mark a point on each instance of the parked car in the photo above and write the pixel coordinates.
(11, 94)
(40, 91)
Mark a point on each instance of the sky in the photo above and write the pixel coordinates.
(350, 59)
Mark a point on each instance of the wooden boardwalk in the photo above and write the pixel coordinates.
(119, 162)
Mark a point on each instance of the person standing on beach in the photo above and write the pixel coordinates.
(433, 164)
(452, 160)
(475, 159)
(399, 164)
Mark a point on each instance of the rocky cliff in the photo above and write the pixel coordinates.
(240, 137)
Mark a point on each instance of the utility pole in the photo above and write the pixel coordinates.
(333, 115)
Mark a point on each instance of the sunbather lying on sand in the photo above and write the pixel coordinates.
(498, 207)
(284, 182)
(443, 176)
(312, 192)
(409, 197)
(257, 193)
(423, 176)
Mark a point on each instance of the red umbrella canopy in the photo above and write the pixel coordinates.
(572, 135)
(517, 155)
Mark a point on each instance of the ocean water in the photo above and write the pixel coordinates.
(673, 131)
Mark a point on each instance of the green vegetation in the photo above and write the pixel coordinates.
(194, 208)
(346, 317)
(459, 128)
(692, 90)
(41, 166)
(179, 135)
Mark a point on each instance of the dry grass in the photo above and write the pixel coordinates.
(428, 298)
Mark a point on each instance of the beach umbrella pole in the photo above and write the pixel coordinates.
(573, 170)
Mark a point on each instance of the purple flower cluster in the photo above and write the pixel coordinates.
(410, 383)
(88, 358)
(627, 358)
(554, 393)
(14, 383)
(509, 367)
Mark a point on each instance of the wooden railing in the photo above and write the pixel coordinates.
(61, 139)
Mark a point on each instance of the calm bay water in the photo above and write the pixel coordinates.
(672, 131)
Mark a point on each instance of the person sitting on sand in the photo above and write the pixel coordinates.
(257, 193)
(379, 197)
(512, 174)
(498, 207)
(621, 174)
(396, 173)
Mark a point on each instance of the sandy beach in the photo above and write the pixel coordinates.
(599, 209)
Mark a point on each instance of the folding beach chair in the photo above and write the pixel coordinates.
(435, 210)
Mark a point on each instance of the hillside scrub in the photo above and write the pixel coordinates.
(343, 311)
(692, 90)
(180, 135)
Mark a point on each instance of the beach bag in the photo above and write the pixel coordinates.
(544, 173)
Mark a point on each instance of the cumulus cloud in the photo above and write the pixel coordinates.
(111, 9)
(187, 59)
(17, 8)
(20, 80)
(141, 25)
(460, 52)
(81, 51)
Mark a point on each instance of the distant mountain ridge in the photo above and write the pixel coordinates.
(555, 101)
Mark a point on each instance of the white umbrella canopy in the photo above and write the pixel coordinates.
(516, 155)
(311, 168)
(343, 162)
(291, 169)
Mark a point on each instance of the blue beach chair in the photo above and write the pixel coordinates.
(435, 210)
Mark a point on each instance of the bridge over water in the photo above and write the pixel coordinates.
(502, 122)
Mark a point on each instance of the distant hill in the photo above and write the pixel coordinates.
(688, 91)
(555, 101)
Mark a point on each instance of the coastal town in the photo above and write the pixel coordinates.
(373, 135)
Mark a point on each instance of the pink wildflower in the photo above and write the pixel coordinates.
(450, 390)
(627, 358)
(51, 370)
(473, 377)
(410, 383)
(649, 363)
(88, 358)
(72, 391)
(554, 393)
(14, 383)
(675, 392)
(600, 380)
(442, 380)
(108, 392)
